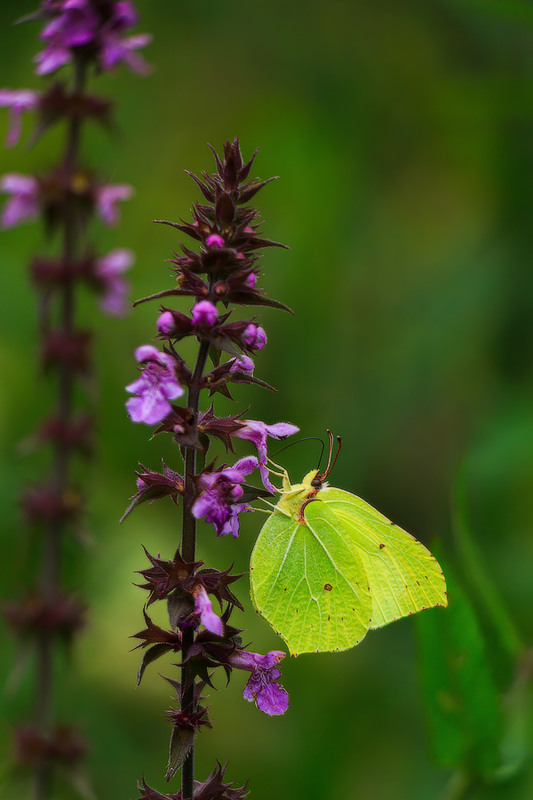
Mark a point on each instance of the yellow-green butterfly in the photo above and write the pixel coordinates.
(327, 567)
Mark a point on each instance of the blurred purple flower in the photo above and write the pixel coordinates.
(115, 50)
(106, 199)
(155, 387)
(262, 687)
(202, 606)
(109, 270)
(18, 101)
(24, 201)
(257, 432)
(76, 23)
(220, 492)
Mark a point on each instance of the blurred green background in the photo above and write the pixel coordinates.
(402, 135)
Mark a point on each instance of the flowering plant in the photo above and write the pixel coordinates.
(85, 37)
(221, 273)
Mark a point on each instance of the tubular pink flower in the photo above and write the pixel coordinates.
(257, 432)
(155, 387)
(23, 205)
(218, 502)
(18, 101)
(202, 606)
(106, 199)
(115, 50)
(262, 687)
(109, 270)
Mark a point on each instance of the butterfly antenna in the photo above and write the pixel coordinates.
(298, 441)
(330, 465)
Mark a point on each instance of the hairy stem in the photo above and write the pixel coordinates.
(188, 550)
(51, 559)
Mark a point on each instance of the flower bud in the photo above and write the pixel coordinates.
(215, 240)
(254, 337)
(204, 314)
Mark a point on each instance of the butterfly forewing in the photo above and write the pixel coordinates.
(402, 574)
(308, 581)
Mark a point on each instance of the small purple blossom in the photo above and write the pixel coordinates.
(204, 314)
(155, 387)
(262, 687)
(251, 280)
(254, 337)
(203, 607)
(106, 199)
(220, 493)
(215, 241)
(24, 201)
(257, 432)
(18, 101)
(109, 271)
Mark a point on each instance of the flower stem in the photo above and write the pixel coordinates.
(51, 559)
(188, 549)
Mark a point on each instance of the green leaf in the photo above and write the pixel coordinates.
(181, 742)
(460, 697)
(504, 636)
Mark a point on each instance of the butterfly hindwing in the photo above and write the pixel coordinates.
(308, 580)
(402, 574)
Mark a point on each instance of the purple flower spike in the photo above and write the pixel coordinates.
(23, 203)
(257, 432)
(75, 25)
(202, 606)
(109, 270)
(215, 240)
(254, 337)
(155, 387)
(18, 101)
(262, 687)
(220, 493)
(106, 199)
(204, 314)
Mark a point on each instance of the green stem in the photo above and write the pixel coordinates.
(51, 559)
(188, 552)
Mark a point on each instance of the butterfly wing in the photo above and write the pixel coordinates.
(403, 575)
(307, 579)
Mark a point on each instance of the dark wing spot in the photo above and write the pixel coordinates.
(328, 587)
(381, 546)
